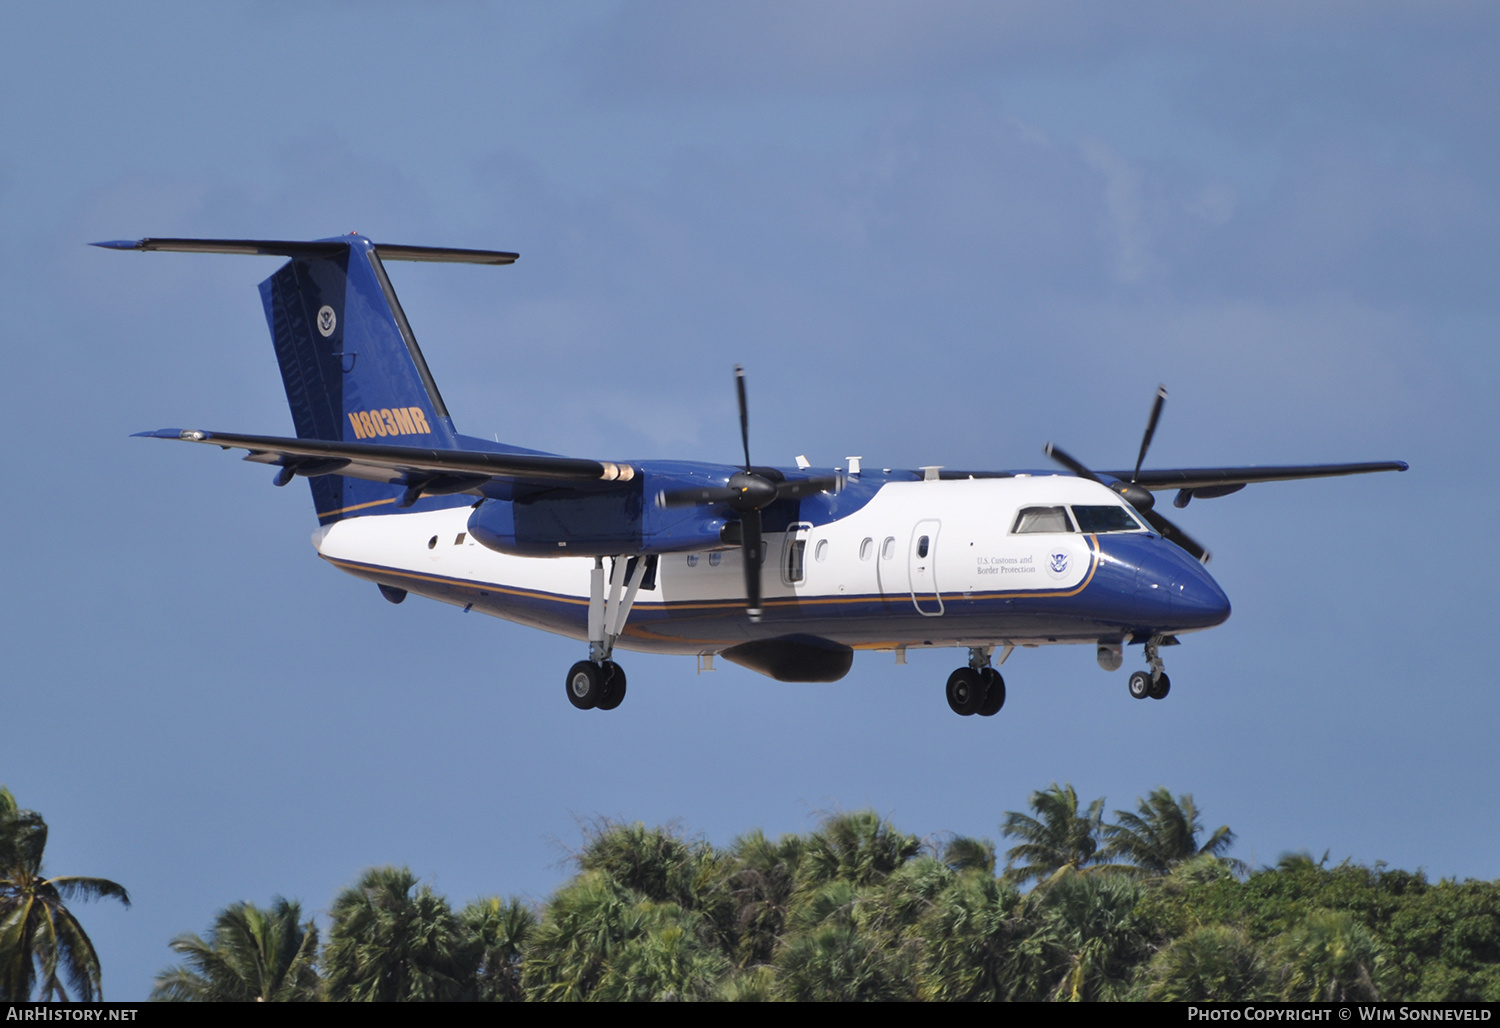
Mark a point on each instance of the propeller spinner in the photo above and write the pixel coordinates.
(747, 493)
(1139, 497)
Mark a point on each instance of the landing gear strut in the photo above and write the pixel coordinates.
(599, 681)
(1153, 683)
(978, 688)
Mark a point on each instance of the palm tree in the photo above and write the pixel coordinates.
(602, 940)
(1329, 958)
(251, 955)
(763, 886)
(970, 932)
(39, 937)
(1084, 939)
(495, 935)
(1212, 964)
(963, 853)
(1058, 839)
(666, 958)
(392, 941)
(859, 847)
(1163, 834)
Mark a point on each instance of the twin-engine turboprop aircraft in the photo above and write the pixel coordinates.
(786, 571)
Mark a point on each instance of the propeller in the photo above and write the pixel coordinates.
(1139, 497)
(747, 493)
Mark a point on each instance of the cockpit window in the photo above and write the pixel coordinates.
(1108, 518)
(1041, 519)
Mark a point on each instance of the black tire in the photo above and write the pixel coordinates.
(614, 686)
(994, 692)
(1161, 687)
(965, 691)
(585, 684)
(1140, 685)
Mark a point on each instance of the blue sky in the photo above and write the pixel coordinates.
(934, 234)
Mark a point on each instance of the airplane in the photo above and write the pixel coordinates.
(783, 570)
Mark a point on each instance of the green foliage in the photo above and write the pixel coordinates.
(969, 933)
(493, 939)
(42, 945)
(392, 940)
(859, 847)
(602, 940)
(859, 910)
(1214, 964)
(762, 885)
(251, 955)
(1329, 957)
(1083, 939)
(1059, 838)
(1162, 834)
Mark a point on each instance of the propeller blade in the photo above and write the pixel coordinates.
(795, 487)
(1161, 398)
(695, 497)
(1172, 533)
(750, 555)
(739, 385)
(1058, 454)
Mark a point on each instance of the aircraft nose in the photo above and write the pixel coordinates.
(1196, 600)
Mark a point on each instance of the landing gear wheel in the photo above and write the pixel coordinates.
(585, 684)
(965, 691)
(614, 686)
(1161, 687)
(994, 692)
(1140, 685)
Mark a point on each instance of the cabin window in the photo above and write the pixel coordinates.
(1105, 518)
(692, 560)
(821, 553)
(922, 547)
(432, 542)
(867, 548)
(714, 558)
(888, 548)
(1032, 520)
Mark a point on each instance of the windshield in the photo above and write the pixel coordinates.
(1107, 518)
(1041, 519)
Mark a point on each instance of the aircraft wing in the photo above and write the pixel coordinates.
(409, 465)
(1222, 481)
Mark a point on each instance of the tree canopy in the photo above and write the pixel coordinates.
(1147, 907)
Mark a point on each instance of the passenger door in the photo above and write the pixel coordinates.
(922, 562)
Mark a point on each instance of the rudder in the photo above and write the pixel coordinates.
(351, 367)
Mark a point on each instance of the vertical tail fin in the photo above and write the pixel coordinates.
(349, 361)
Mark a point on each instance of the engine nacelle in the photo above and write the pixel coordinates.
(577, 523)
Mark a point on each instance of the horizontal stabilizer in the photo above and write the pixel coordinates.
(318, 248)
(408, 465)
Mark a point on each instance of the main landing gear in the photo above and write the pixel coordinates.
(599, 681)
(1154, 683)
(596, 685)
(978, 688)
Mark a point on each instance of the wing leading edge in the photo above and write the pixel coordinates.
(1202, 480)
(408, 465)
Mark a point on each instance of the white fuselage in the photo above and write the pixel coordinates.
(923, 563)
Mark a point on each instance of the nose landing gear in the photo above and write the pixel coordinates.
(1154, 683)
